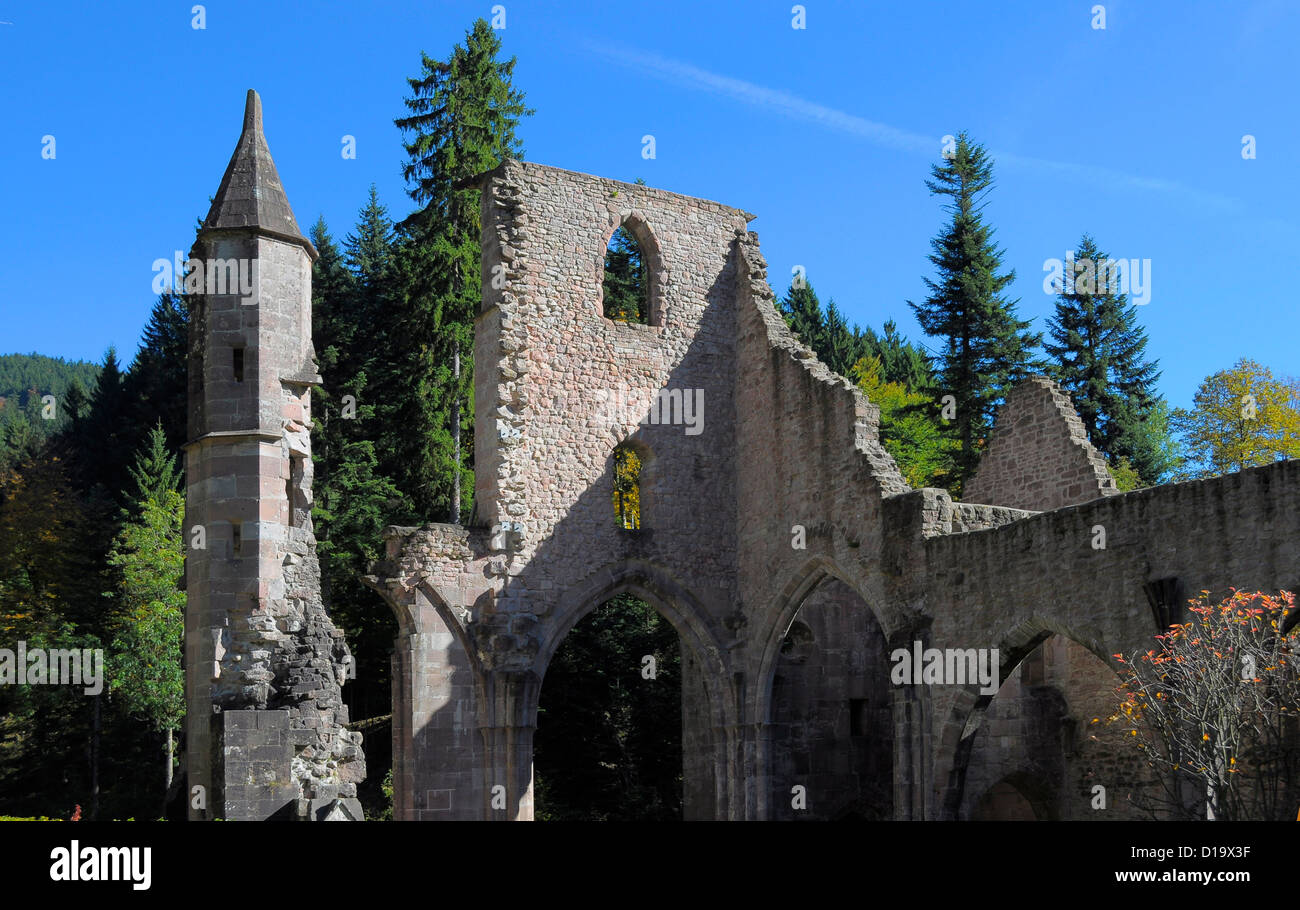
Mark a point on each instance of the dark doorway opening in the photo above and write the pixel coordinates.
(608, 745)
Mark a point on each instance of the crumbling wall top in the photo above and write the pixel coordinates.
(1039, 457)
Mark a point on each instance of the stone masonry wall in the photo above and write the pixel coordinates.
(1039, 456)
(1008, 588)
(557, 387)
(751, 526)
(832, 713)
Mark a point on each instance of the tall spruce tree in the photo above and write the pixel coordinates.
(334, 325)
(147, 626)
(371, 257)
(803, 313)
(109, 438)
(900, 361)
(986, 348)
(155, 387)
(1100, 353)
(155, 471)
(371, 249)
(844, 347)
(841, 348)
(334, 335)
(463, 114)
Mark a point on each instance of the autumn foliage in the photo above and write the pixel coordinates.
(1217, 705)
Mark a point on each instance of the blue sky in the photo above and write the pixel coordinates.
(1132, 133)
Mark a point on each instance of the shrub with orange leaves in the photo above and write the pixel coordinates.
(1217, 703)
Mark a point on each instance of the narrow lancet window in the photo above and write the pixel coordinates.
(627, 488)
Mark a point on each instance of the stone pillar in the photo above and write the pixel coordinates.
(508, 740)
(437, 748)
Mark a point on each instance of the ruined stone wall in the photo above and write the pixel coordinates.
(1020, 744)
(1047, 734)
(1100, 752)
(785, 497)
(1039, 456)
(1011, 587)
(814, 462)
(432, 576)
(557, 387)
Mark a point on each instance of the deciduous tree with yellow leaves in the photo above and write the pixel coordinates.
(921, 449)
(1241, 417)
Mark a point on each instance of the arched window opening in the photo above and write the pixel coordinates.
(626, 283)
(627, 488)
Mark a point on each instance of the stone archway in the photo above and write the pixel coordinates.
(439, 689)
(826, 704)
(708, 700)
(1029, 732)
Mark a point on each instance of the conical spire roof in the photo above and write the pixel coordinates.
(251, 196)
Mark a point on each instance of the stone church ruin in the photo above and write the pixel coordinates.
(780, 541)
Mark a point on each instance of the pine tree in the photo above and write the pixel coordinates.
(155, 388)
(463, 114)
(146, 667)
(334, 335)
(155, 472)
(357, 300)
(106, 446)
(986, 348)
(333, 306)
(51, 580)
(803, 313)
(354, 499)
(900, 361)
(1100, 361)
(843, 347)
(826, 331)
(370, 250)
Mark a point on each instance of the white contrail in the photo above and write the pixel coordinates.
(881, 134)
(760, 96)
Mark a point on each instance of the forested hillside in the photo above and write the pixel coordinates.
(26, 378)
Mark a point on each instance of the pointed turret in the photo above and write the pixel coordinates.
(264, 662)
(251, 196)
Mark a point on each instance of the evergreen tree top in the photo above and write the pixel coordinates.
(154, 472)
(462, 123)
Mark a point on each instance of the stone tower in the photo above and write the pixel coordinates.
(265, 666)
